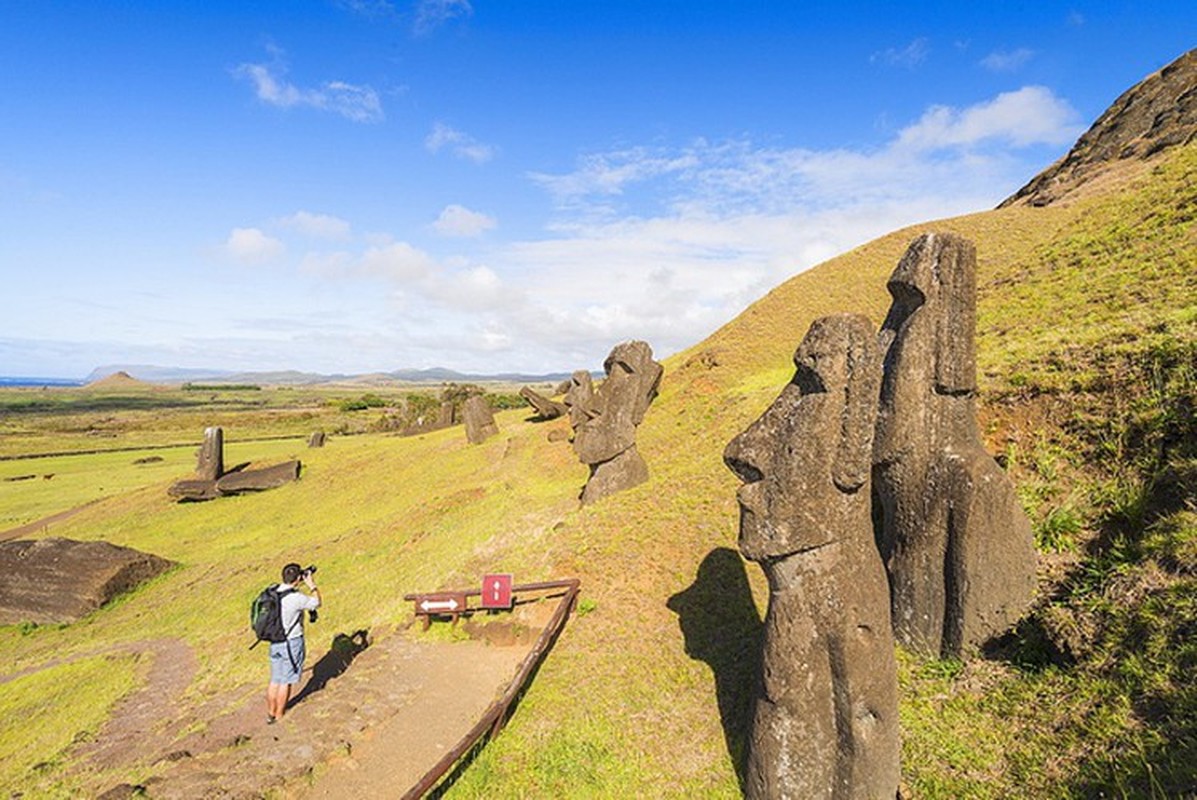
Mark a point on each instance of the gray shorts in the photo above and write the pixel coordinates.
(286, 668)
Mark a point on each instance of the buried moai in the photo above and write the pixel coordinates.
(479, 419)
(543, 406)
(826, 723)
(956, 543)
(605, 419)
(213, 481)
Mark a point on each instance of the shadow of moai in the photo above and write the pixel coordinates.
(722, 628)
(826, 723)
(605, 420)
(957, 546)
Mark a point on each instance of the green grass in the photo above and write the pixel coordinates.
(44, 713)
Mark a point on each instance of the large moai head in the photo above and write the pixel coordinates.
(933, 317)
(812, 447)
(606, 425)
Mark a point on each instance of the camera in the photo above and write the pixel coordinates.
(308, 572)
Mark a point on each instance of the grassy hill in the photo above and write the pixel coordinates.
(1087, 339)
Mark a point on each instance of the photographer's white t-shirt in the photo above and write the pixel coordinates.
(293, 605)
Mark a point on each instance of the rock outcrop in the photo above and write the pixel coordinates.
(57, 580)
(479, 419)
(605, 419)
(1157, 113)
(543, 406)
(956, 543)
(826, 724)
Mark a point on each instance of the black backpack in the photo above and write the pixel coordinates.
(266, 615)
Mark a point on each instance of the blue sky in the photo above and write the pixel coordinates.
(362, 185)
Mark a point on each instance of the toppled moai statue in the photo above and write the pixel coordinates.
(956, 543)
(210, 465)
(213, 481)
(826, 724)
(543, 406)
(316, 439)
(605, 419)
(60, 580)
(479, 419)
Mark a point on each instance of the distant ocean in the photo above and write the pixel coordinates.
(7, 381)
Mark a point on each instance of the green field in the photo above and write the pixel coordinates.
(1087, 341)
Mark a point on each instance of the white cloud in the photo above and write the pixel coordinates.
(356, 103)
(460, 144)
(909, 56)
(431, 14)
(666, 244)
(320, 226)
(252, 246)
(1031, 115)
(460, 221)
(1007, 60)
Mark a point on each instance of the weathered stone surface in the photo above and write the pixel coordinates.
(562, 387)
(579, 399)
(1158, 113)
(605, 420)
(60, 580)
(447, 415)
(826, 724)
(316, 439)
(955, 541)
(257, 480)
(544, 407)
(210, 465)
(193, 489)
(479, 419)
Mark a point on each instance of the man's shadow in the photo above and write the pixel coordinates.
(340, 655)
(722, 627)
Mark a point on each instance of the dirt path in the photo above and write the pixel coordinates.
(369, 721)
(44, 522)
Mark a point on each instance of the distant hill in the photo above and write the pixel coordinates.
(435, 375)
(117, 380)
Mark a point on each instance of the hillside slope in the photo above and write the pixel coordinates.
(1087, 338)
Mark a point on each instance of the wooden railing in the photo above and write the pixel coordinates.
(496, 715)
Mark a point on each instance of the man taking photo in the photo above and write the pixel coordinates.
(286, 657)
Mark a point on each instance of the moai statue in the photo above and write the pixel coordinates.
(956, 543)
(447, 415)
(543, 406)
(316, 439)
(605, 419)
(826, 724)
(579, 399)
(210, 465)
(479, 419)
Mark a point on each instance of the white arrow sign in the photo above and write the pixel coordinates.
(497, 587)
(439, 605)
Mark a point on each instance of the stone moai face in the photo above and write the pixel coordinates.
(811, 445)
(930, 330)
(619, 405)
(579, 398)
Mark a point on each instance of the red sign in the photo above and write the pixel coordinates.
(496, 591)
